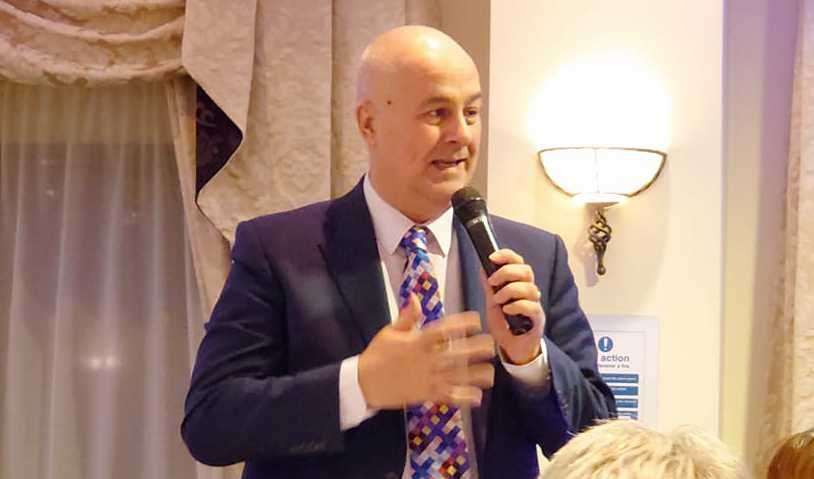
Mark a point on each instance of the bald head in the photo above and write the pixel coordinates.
(418, 110)
(411, 48)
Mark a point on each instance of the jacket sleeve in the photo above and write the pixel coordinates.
(242, 405)
(576, 396)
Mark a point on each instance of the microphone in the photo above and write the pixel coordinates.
(470, 209)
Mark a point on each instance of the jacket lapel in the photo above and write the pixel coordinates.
(352, 257)
(474, 301)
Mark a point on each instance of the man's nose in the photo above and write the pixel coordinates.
(459, 130)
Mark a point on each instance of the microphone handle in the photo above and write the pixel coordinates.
(480, 232)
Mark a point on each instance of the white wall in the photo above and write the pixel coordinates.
(666, 255)
(760, 45)
(647, 271)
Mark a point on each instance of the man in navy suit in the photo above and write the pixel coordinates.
(313, 355)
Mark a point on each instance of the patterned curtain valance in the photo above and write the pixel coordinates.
(90, 42)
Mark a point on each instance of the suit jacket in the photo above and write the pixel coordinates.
(305, 291)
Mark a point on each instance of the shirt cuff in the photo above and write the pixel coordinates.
(352, 405)
(532, 374)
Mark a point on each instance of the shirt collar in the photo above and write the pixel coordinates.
(390, 224)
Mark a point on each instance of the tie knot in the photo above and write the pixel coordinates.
(415, 240)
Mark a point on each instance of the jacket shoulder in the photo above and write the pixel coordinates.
(297, 226)
(516, 235)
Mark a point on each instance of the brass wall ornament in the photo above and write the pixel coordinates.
(600, 234)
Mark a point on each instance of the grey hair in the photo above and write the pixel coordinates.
(625, 449)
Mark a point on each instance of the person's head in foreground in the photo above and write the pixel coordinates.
(795, 458)
(626, 449)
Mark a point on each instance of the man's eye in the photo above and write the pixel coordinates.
(438, 113)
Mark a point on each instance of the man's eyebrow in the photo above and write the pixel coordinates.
(477, 96)
(446, 99)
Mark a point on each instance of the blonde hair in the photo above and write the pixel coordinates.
(625, 449)
(795, 458)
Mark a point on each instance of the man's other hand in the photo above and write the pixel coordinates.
(446, 361)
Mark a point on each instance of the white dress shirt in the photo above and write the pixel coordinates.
(390, 225)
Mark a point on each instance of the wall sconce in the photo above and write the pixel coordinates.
(602, 177)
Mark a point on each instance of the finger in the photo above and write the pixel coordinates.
(458, 325)
(529, 309)
(462, 395)
(510, 273)
(516, 291)
(467, 351)
(488, 293)
(410, 314)
(505, 256)
(481, 375)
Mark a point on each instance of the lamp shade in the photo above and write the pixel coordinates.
(601, 174)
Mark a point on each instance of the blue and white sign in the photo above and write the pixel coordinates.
(605, 344)
(627, 348)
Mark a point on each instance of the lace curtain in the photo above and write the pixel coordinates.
(790, 403)
(98, 302)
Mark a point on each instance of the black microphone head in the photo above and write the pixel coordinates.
(468, 203)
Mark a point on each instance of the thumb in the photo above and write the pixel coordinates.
(409, 315)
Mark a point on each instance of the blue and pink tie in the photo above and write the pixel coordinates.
(434, 430)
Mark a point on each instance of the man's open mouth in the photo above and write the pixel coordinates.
(444, 164)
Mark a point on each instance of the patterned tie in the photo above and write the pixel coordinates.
(434, 430)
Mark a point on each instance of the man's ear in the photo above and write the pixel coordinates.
(364, 121)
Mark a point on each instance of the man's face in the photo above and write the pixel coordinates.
(427, 134)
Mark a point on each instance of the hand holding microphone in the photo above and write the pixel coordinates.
(512, 298)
